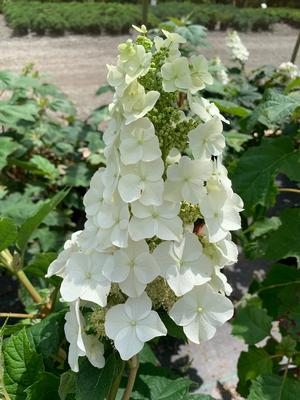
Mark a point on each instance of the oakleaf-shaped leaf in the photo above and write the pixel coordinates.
(273, 387)
(253, 178)
(22, 365)
(252, 324)
(285, 241)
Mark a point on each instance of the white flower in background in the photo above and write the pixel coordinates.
(93, 200)
(238, 50)
(219, 282)
(81, 344)
(133, 268)
(114, 218)
(136, 103)
(142, 181)
(139, 142)
(264, 5)
(200, 312)
(84, 278)
(205, 109)
(199, 73)
(58, 266)
(221, 71)
(290, 69)
(176, 75)
(161, 221)
(183, 264)
(132, 324)
(207, 139)
(185, 180)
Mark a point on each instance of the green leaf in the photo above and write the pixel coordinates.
(253, 178)
(45, 167)
(251, 364)
(284, 242)
(32, 223)
(47, 335)
(104, 89)
(231, 108)
(173, 329)
(161, 388)
(8, 232)
(22, 365)
(7, 147)
(147, 355)
(278, 107)
(235, 140)
(11, 114)
(278, 278)
(77, 175)
(67, 384)
(46, 388)
(252, 324)
(292, 85)
(93, 383)
(264, 226)
(273, 387)
(40, 263)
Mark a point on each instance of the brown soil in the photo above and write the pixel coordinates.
(77, 63)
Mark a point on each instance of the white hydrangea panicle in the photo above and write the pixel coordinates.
(238, 50)
(159, 214)
(289, 69)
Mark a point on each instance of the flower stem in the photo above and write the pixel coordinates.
(116, 383)
(28, 285)
(18, 315)
(134, 366)
(292, 190)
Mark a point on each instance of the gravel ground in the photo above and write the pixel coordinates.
(77, 64)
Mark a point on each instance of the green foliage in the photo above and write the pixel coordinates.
(257, 168)
(267, 387)
(22, 365)
(55, 19)
(46, 388)
(252, 324)
(227, 16)
(94, 383)
(8, 232)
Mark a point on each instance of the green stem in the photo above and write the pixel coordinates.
(28, 285)
(134, 366)
(116, 384)
(277, 285)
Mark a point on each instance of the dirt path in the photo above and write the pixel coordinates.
(77, 63)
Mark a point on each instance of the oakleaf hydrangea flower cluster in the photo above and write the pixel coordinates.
(238, 50)
(290, 70)
(159, 215)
